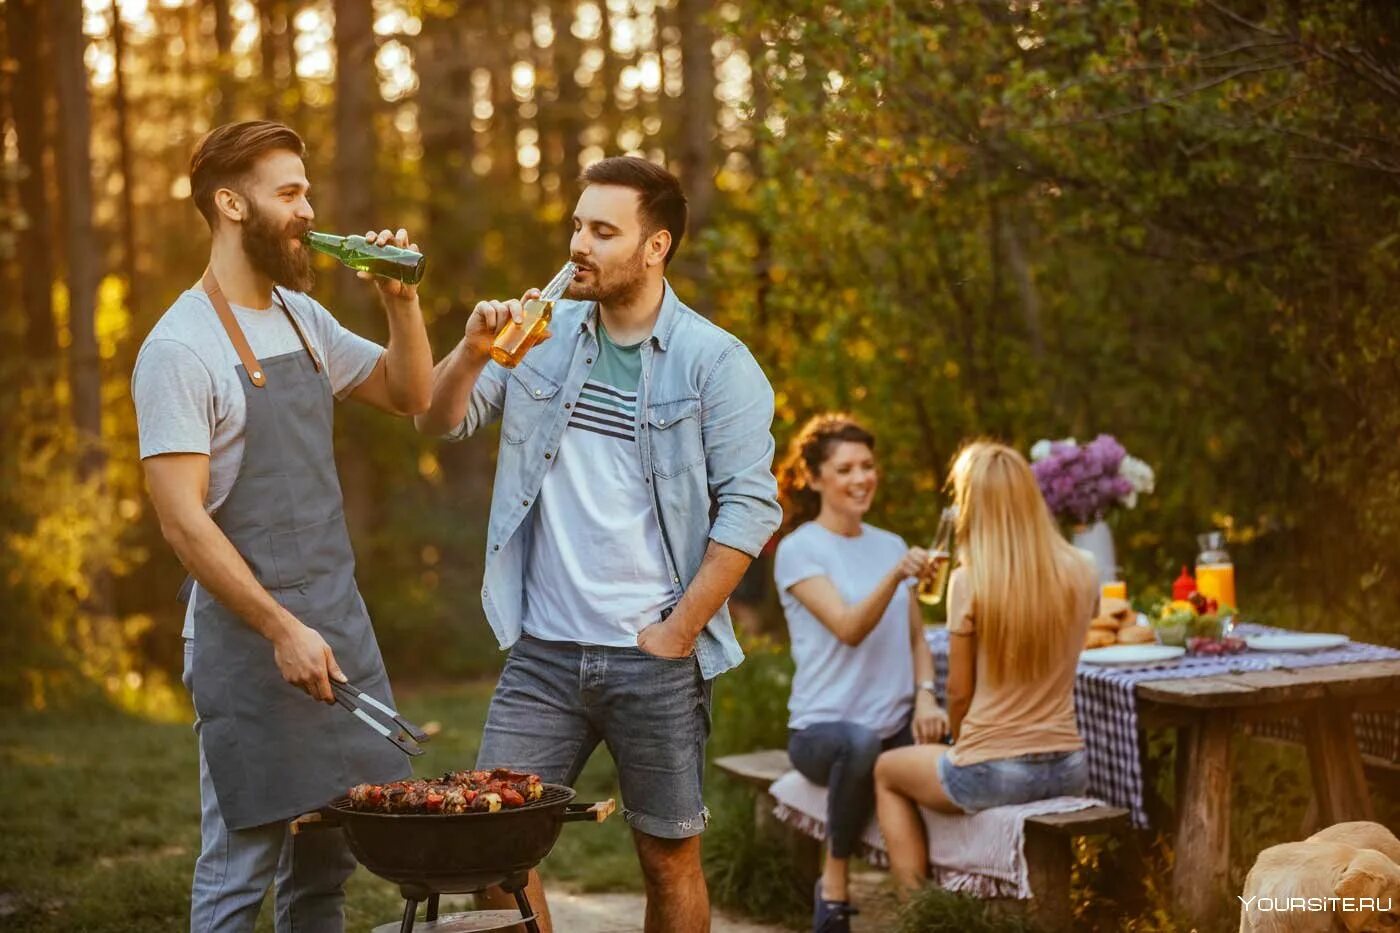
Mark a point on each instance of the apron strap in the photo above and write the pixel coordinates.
(301, 335)
(235, 333)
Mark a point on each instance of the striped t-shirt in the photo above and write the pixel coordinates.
(596, 573)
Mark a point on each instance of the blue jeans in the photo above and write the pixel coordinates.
(557, 700)
(1005, 781)
(236, 867)
(840, 756)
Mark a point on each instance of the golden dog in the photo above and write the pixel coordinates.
(1363, 835)
(1344, 879)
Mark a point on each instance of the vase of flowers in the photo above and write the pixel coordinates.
(1083, 483)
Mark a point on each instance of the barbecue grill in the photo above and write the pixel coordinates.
(428, 855)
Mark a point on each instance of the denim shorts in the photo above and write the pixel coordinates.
(1005, 781)
(557, 700)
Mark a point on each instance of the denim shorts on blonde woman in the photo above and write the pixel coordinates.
(1005, 781)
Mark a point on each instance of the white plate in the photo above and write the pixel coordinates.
(1295, 641)
(1131, 654)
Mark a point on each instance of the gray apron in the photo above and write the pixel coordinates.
(273, 751)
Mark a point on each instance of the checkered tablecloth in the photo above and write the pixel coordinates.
(1105, 702)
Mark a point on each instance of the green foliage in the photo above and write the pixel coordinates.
(750, 702)
(1062, 219)
(747, 870)
(749, 714)
(934, 910)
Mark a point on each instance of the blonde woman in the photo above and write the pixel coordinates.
(1019, 606)
(864, 678)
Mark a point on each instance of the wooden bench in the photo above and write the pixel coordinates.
(1049, 838)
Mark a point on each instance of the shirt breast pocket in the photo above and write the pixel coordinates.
(677, 443)
(529, 397)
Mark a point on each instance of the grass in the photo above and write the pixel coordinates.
(937, 911)
(99, 819)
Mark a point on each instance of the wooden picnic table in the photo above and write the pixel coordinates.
(1206, 712)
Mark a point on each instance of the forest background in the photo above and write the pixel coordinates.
(1172, 221)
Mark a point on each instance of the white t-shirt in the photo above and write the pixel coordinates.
(872, 683)
(188, 395)
(596, 573)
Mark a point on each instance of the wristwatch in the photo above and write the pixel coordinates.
(930, 686)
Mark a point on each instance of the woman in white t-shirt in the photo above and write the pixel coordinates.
(864, 678)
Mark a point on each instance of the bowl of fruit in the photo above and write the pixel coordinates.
(1198, 624)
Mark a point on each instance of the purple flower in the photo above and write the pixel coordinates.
(1082, 482)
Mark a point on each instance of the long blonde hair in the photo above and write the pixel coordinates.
(1025, 578)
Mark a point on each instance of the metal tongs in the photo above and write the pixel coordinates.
(406, 736)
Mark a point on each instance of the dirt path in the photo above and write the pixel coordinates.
(622, 912)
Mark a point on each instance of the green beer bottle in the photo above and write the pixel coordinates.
(392, 262)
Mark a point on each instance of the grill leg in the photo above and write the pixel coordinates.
(523, 902)
(432, 908)
(410, 913)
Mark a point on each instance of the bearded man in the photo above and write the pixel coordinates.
(633, 487)
(234, 389)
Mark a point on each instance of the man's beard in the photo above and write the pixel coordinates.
(272, 252)
(611, 287)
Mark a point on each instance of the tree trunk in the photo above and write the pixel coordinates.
(223, 40)
(1014, 233)
(763, 252)
(505, 111)
(268, 17)
(697, 154)
(448, 48)
(296, 109)
(75, 174)
(698, 140)
(354, 175)
(128, 209)
(23, 18)
(444, 119)
(11, 219)
(354, 143)
(569, 107)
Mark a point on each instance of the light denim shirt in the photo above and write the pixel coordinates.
(704, 431)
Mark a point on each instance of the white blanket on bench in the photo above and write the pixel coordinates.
(983, 854)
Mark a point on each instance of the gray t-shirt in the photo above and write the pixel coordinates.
(188, 395)
(871, 683)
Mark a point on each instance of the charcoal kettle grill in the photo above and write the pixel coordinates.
(431, 854)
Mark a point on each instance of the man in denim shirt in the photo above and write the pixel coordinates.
(633, 487)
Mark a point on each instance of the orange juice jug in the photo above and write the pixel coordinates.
(1215, 572)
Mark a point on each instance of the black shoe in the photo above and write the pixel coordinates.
(830, 916)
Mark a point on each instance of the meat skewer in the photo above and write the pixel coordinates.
(454, 792)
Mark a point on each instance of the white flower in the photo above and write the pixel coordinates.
(1044, 447)
(1139, 475)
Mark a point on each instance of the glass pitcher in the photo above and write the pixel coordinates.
(1215, 572)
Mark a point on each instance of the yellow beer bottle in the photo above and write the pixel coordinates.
(515, 340)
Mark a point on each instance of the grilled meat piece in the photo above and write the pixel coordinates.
(367, 796)
(520, 784)
(455, 792)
